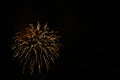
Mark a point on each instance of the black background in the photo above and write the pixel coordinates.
(77, 58)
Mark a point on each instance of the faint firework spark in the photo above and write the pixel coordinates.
(36, 46)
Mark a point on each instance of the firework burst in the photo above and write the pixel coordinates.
(35, 46)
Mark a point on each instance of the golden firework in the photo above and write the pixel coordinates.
(35, 46)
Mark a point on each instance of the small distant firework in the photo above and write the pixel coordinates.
(35, 46)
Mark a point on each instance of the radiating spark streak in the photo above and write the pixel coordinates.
(35, 54)
(36, 46)
(22, 53)
(51, 57)
(46, 62)
(46, 53)
(52, 53)
(40, 63)
(39, 67)
(18, 52)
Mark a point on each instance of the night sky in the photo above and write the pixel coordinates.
(78, 31)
